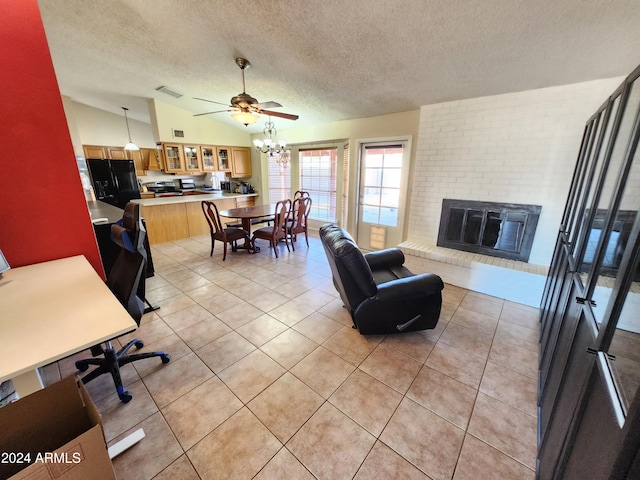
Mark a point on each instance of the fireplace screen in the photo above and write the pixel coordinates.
(503, 230)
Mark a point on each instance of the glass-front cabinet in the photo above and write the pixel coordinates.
(208, 156)
(192, 161)
(174, 161)
(223, 159)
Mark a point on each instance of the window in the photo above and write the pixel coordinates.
(318, 171)
(381, 184)
(279, 181)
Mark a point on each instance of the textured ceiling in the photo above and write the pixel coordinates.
(332, 59)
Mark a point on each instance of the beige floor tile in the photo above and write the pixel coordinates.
(330, 434)
(382, 462)
(522, 315)
(367, 401)
(336, 310)
(251, 375)
(510, 387)
(225, 351)
(413, 344)
(176, 378)
(479, 460)
(283, 466)
(314, 299)
(425, 439)
(240, 314)
(180, 469)
(520, 336)
(466, 340)
(291, 312)
(250, 291)
(236, 450)
(118, 417)
(172, 304)
(285, 406)
(323, 371)
(203, 332)
(506, 428)
(171, 344)
(475, 322)
(186, 317)
(151, 328)
(317, 327)
(453, 294)
(221, 303)
(192, 283)
(447, 310)
(444, 396)
(519, 359)
(180, 275)
(155, 452)
(266, 303)
(350, 345)
(197, 413)
(391, 367)
(480, 303)
(464, 367)
(205, 292)
(289, 348)
(262, 329)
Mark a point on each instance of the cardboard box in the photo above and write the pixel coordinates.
(55, 433)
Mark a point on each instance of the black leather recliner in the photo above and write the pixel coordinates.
(381, 294)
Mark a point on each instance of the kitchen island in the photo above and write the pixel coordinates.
(173, 218)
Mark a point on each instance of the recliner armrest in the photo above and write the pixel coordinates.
(391, 257)
(410, 287)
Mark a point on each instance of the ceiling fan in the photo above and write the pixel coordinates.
(244, 106)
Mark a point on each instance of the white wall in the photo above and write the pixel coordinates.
(518, 147)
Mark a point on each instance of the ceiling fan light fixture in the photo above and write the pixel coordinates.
(130, 146)
(245, 117)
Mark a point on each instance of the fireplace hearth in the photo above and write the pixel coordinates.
(504, 230)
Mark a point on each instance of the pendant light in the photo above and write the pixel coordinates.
(130, 145)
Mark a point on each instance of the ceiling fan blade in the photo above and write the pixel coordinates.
(266, 105)
(288, 116)
(211, 101)
(209, 113)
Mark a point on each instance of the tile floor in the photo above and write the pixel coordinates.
(269, 381)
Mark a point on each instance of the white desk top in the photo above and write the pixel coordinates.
(54, 309)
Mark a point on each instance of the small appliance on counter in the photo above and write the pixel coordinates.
(163, 189)
(187, 184)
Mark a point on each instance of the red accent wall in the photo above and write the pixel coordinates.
(43, 212)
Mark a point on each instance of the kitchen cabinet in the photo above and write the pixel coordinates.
(240, 162)
(151, 159)
(94, 151)
(173, 158)
(116, 153)
(138, 160)
(223, 159)
(192, 159)
(208, 156)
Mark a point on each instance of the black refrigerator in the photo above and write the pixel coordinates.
(114, 181)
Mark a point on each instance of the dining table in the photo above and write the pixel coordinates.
(247, 215)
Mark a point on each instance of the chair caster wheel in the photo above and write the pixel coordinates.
(139, 344)
(125, 397)
(82, 366)
(166, 358)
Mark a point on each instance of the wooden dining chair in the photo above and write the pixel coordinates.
(218, 232)
(277, 232)
(300, 193)
(297, 222)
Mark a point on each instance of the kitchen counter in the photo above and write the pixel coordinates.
(149, 202)
(103, 211)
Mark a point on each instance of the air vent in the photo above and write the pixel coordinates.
(178, 133)
(168, 91)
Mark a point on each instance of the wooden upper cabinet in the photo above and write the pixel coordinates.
(208, 156)
(192, 160)
(116, 153)
(138, 160)
(223, 159)
(240, 162)
(173, 158)
(150, 159)
(94, 151)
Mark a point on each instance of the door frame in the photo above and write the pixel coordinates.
(407, 141)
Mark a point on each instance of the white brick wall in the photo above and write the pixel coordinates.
(517, 147)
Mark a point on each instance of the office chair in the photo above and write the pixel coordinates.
(126, 281)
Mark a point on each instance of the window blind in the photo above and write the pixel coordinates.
(318, 173)
(279, 181)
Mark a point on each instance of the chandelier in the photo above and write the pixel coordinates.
(277, 152)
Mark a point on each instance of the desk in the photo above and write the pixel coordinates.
(246, 214)
(51, 310)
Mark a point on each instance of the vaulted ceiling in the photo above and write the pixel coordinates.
(331, 60)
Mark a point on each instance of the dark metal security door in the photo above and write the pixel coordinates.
(589, 406)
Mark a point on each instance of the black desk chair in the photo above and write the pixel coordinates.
(126, 281)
